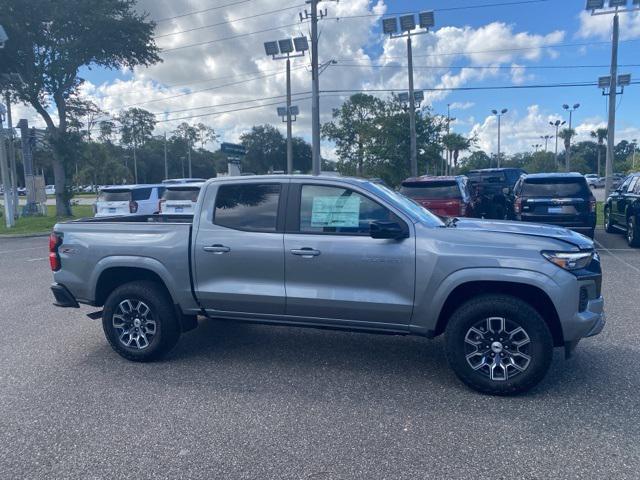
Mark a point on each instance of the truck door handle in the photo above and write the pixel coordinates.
(217, 249)
(305, 252)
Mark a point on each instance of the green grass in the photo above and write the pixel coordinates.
(600, 212)
(32, 225)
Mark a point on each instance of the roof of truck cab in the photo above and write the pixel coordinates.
(554, 175)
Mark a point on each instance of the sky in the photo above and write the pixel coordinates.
(227, 81)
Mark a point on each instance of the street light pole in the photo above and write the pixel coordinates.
(635, 149)
(499, 115)
(289, 125)
(568, 152)
(557, 124)
(407, 25)
(6, 183)
(166, 164)
(315, 92)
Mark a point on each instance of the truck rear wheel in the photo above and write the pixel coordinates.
(499, 345)
(633, 234)
(139, 322)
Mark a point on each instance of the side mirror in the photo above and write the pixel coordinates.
(387, 230)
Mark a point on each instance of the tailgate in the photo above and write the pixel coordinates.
(112, 208)
(555, 207)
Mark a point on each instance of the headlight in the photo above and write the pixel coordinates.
(570, 260)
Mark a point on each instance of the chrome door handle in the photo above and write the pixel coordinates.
(217, 249)
(305, 252)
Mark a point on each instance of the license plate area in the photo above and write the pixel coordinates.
(555, 210)
(179, 209)
(112, 210)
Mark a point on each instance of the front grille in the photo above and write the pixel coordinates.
(584, 299)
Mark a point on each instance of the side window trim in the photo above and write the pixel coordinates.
(282, 205)
(295, 200)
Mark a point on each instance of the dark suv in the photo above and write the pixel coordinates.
(622, 210)
(562, 199)
(444, 196)
(493, 189)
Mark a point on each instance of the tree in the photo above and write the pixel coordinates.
(476, 161)
(354, 129)
(266, 150)
(51, 41)
(137, 125)
(456, 143)
(601, 134)
(205, 134)
(567, 134)
(107, 129)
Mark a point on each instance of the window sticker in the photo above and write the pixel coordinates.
(336, 212)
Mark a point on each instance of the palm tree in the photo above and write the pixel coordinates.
(456, 143)
(600, 135)
(567, 134)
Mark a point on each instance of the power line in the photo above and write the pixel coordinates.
(499, 50)
(226, 22)
(233, 37)
(445, 9)
(195, 12)
(481, 67)
(216, 87)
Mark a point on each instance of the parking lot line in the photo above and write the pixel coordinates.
(616, 256)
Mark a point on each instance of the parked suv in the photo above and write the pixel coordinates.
(562, 199)
(622, 210)
(493, 189)
(180, 199)
(128, 200)
(444, 196)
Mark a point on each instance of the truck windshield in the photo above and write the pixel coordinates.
(413, 209)
(555, 187)
(433, 190)
(114, 196)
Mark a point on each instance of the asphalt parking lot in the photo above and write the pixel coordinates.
(242, 401)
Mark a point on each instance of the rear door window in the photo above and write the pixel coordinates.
(140, 194)
(555, 187)
(114, 196)
(633, 184)
(251, 207)
(434, 190)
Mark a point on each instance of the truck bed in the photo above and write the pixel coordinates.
(155, 243)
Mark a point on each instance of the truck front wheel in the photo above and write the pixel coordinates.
(499, 345)
(139, 322)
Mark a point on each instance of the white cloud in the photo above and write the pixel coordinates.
(600, 26)
(462, 105)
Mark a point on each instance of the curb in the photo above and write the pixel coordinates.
(25, 235)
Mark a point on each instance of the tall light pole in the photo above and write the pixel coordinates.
(546, 139)
(536, 147)
(4, 171)
(499, 115)
(568, 152)
(635, 149)
(282, 50)
(406, 30)
(557, 124)
(616, 7)
(166, 164)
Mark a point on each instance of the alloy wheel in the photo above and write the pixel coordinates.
(498, 348)
(134, 323)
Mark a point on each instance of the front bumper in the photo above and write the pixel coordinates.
(586, 324)
(64, 298)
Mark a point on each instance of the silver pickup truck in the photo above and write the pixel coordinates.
(336, 253)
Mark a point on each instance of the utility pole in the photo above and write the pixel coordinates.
(635, 149)
(189, 155)
(6, 183)
(613, 80)
(12, 157)
(135, 165)
(611, 128)
(289, 126)
(446, 172)
(315, 89)
(166, 165)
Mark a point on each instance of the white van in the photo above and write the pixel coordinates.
(180, 199)
(129, 200)
(50, 189)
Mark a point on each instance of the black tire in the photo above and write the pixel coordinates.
(517, 314)
(166, 327)
(608, 221)
(633, 233)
